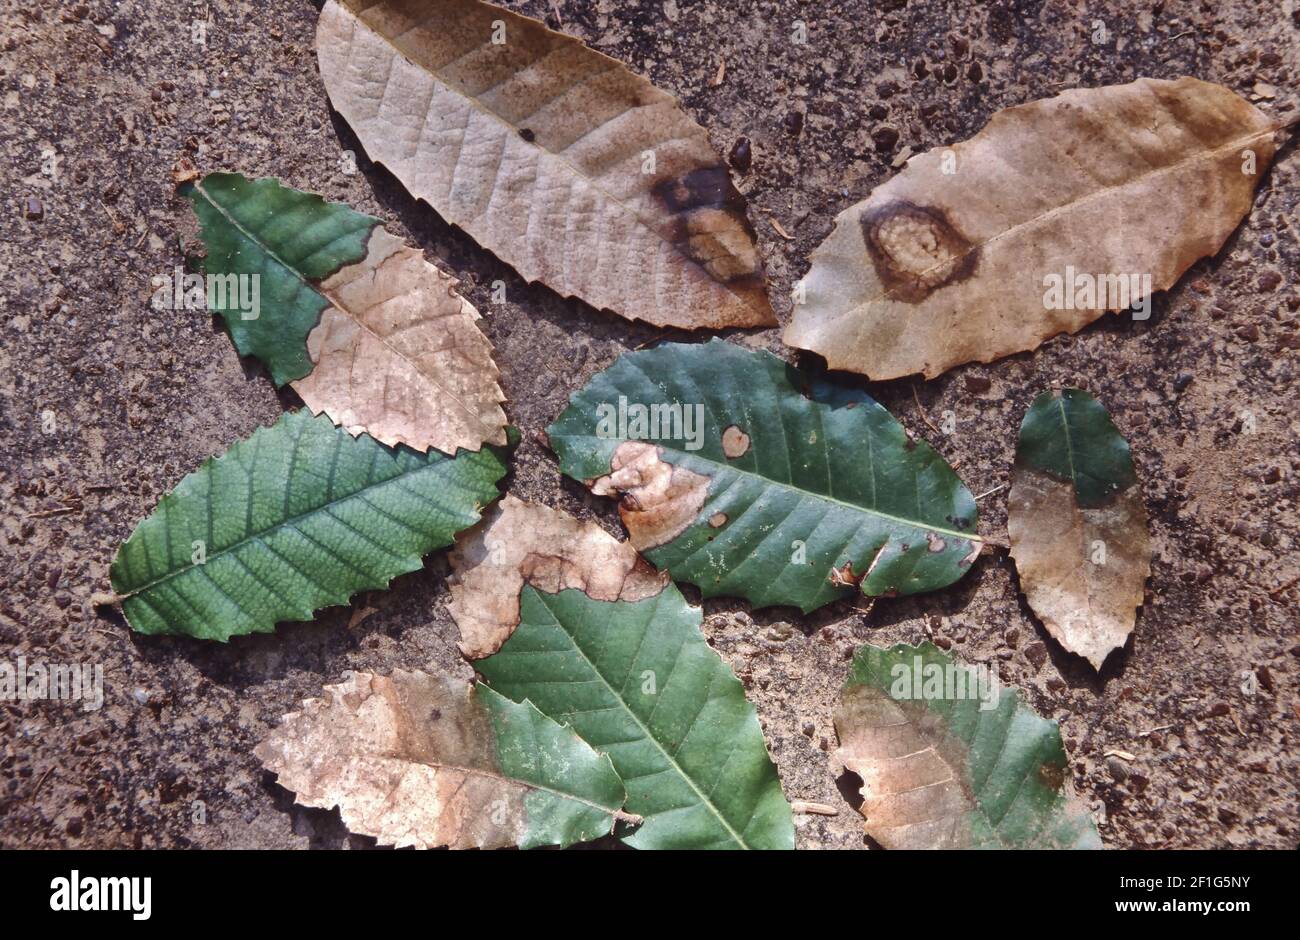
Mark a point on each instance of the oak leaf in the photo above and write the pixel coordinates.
(568, 166)
(747, 477)
(950, 759)
(424, 760)
(363, 327)
(1057, 211)
(1077, 525)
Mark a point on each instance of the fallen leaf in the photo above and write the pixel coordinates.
(1077, 525)
(298, 517)
(426, 761)
(569, 167)
(742, 475)
(953, 259)
(950, 759)
(367, 331)
(637, 681)
(520, 543)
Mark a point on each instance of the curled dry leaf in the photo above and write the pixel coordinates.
(950, 759)
(520, 543)
(1106, 194)
(366, 330)
(1077, 525)
(427, 760)
(746, 477)
(568, 166)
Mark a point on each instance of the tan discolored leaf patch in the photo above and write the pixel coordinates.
(952, 260)
(521, 543)
(419, 760)
(659, 500)
(398, 355)
(735, 442)
(568, 166)
(1083, 570)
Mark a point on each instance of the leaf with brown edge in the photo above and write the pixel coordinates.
(955, 258)
(364, 328)
(520, 543)
(951, 759)
(423, 760)
(558, 159)
(1077, 525)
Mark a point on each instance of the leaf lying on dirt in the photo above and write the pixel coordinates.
(1077, 525)
(300, 516)
(520, 543)
(638, 682)
(368, 332)
(952, 260)
(427, 760)
(743, 476)
(951, 760)
(572, 169)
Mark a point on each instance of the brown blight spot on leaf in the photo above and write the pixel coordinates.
(735, 442)
(1090, 609)
(934, 543)
(659, 501)
(718, 520)
(519, 543)
(843, 576)
(915, 249)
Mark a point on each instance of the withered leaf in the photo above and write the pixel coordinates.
(520, 543)
(1077, 525)
(1056, 212)
(950, 759)
(363, 327)
(568, 166)
(424, 760)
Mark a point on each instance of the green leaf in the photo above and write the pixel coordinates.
(300, 516)
(424, 760)
(787, 489)
(951, 759)
(638, 682)
(290, 240)
(1072, 439)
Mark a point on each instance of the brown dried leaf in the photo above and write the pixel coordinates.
(946, 262)
(1089, 607)
(518, 543)
(557, 158)
(422, 760)
(399, 356)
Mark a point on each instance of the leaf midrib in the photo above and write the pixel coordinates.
(289, 522)
(796, 489)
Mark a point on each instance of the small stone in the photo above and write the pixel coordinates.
(1011, 637)
(978, 384)
(34, 209)
(794, 122)
(1181, 381)
(741, 157)
(809, 729)
(1036, 654)
(885, 138)
(1269, 281)
(1117, 769)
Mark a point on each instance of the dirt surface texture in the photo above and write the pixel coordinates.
(1187, 738)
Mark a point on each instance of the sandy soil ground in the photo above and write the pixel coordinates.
(107, 404)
